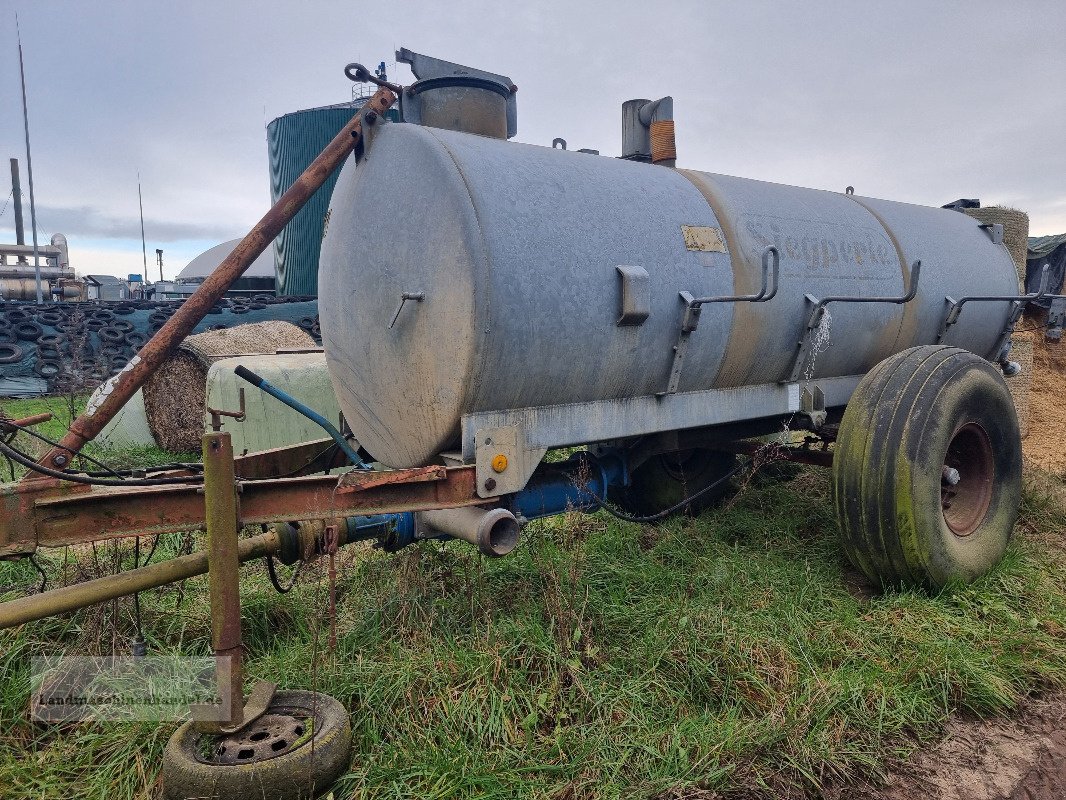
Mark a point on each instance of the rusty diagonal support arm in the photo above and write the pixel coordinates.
(119, 389)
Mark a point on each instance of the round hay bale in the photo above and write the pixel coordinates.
(1021, 385)
(175, 397)
(1015, 232)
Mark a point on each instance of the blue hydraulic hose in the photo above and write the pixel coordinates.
(299, 407)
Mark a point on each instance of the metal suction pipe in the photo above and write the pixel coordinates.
(494, 531)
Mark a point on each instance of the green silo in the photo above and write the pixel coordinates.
(293, 141)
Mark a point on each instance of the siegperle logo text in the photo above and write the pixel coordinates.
(820, 249)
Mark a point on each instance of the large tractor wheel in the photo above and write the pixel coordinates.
(295, 751)
(927, 469)
(666, 479)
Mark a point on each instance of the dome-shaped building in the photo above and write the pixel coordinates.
(257, 279)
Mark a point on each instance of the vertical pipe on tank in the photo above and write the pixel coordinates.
(635, 143)
(648, 131)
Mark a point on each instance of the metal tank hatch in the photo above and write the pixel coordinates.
(458, 98)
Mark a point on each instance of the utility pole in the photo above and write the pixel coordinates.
(159, 261)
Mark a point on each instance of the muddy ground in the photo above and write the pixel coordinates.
(1017, 758)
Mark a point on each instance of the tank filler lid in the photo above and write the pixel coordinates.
(427, 68)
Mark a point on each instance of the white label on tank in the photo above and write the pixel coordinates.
(793, 397)
(703, 238)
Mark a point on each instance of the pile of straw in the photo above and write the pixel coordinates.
(1021, 384)
(175, 397)
(1016, 238)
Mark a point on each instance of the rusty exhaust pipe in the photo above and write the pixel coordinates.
(493, 531)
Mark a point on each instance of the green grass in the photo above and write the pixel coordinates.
(733, 652)
(64, 410)
(60, 407)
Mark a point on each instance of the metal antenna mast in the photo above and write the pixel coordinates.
(29, 166)
(144, 249)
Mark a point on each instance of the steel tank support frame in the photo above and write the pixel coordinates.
(576, 484)
(523, 435)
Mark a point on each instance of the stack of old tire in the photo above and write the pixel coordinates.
(72, 347)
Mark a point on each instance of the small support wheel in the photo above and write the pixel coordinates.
(666, 479)
(296, 750)
(927, 469)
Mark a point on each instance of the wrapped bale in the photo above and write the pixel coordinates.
(175, 397)
(129, 427)
(269, 423)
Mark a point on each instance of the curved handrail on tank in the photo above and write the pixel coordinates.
(819, 310)
(955, 306)
(770, 254)
(819, 305)
(771, 266)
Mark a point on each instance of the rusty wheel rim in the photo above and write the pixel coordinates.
(279, 731)
(965, 504)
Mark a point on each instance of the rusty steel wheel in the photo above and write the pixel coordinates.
(296, 750)
(968, 479)
(927, 469)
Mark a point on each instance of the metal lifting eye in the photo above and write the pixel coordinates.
(360, 74)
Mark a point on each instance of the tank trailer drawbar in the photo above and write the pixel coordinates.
(490, 302)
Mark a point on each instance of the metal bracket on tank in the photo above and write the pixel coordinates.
(1018, 301)
(634, 302)
(812, 411)
(1056, 318)
(503, 461)
(690, 320)
(372, 123)
(806, 343)
(994, 231)
(418, 297)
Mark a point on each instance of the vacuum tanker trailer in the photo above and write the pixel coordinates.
(486, 302)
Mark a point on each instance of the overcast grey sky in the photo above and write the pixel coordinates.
(909, 100)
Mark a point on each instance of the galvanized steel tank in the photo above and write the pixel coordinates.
(515, 249)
